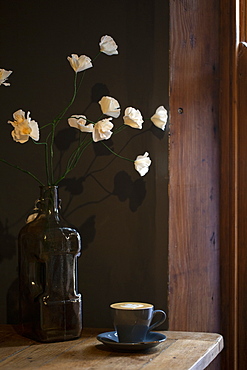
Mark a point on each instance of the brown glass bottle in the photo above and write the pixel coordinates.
(50, 306)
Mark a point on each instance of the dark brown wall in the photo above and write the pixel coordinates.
(122, 218)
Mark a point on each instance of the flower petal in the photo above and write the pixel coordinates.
(79, 122)
(160, 117)
(110, 106)
(133, 118)
(79, 63)
(142, 163)
(16, 135)
(34, 130)
(102, 130)
(24, 127)
(19, 116)
(108, 45)
(3, 76)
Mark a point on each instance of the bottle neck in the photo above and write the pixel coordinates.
(49, 200)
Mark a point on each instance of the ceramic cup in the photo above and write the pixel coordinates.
(134, 320)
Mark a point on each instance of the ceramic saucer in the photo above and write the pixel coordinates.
(110, 339)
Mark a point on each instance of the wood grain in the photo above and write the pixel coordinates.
(242, 209)
(229, 183)
(181, 350)
(194, 286)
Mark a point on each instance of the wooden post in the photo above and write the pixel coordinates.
(229, 182)
(241, 270)
(194, 290)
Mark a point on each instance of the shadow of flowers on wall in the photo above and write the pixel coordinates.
(7, 242)
(88, 232)
(127, 189)
(124, 188)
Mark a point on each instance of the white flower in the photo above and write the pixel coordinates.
(159, 119)
(3, 76)
(110, 106)
(142, 163)
(108, 45)
(133, 118)
(79, 122)
(102, 130)
(24, 127)
(79, 63)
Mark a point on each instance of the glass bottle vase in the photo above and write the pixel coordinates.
(50, 305)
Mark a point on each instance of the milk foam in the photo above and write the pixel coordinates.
(131, 305)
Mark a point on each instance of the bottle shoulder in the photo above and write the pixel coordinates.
(47, 235)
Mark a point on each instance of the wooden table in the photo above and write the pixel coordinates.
(181, 350)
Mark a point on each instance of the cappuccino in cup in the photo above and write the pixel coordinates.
(133, 320)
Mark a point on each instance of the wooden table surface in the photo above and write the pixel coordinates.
(180, 351)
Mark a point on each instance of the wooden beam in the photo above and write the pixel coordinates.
(229, 182)
(241, 319)
(194, 166)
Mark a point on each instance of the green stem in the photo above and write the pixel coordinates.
(50, 153)
(48, 124)
(96, 56)
(117, 155)
(46, 157)
(79, 85)
(58, 118)
(74, 159)
(47, 167)
(22, 170)
(120, 128)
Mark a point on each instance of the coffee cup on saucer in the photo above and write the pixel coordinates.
(134, 320)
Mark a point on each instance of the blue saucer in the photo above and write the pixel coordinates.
(110, 339)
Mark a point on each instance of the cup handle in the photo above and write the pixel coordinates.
(160, 321)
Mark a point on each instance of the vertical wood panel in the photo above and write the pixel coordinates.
(242, 208)
(228, 182)
(194, 193)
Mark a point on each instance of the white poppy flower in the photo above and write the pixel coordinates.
(142, 163)
(108, 45)
(133, 118)
(19, 116)
(3, 76)
(159, 119)
(79, 122)
(110, 106)
(24, 127)
(79, 63)
(102, 130)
